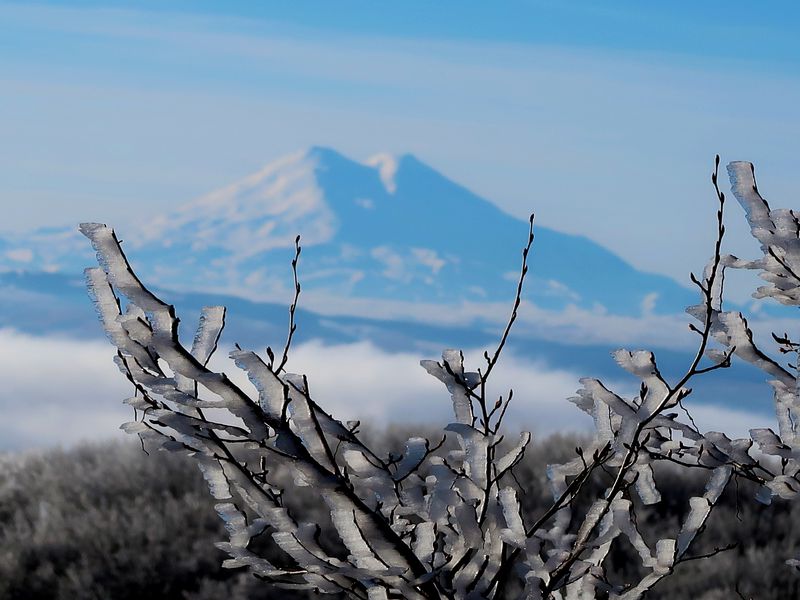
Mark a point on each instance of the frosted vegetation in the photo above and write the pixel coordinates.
(441, 516)
(108, 521)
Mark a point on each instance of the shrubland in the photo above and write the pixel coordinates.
(105, 520)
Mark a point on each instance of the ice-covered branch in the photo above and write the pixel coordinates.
(444, 520)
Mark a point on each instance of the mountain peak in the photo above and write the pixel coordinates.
(387, 165)
(322, 153)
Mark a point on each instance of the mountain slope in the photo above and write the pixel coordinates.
(392, 229)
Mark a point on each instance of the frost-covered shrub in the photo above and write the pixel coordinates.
(777, 467)
(98, 522)
(430, 520)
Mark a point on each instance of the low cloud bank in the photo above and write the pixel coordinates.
(59, 391)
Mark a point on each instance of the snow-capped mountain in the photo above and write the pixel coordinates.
(390, 228)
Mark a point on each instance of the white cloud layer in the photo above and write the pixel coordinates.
(572, 325)
(59, 391)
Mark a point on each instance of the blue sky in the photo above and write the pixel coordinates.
(603, 118)
(690, 28)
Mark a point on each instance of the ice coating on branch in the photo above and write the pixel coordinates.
(778, 231)
(235, 523)
(769, 443)
(345, 522)
(787, 404)
(451, 368)
(273, 394)
(642, 364)
(646, 484)
(121, 277)
(731, 330)
(424, 539)
(108, 309)
(515, 454)
(717, 482)
(303, 421)
(415, 451)
(209, 329)
(212, 322)
(699, 508)
(377, 592)
(514, 532)
(476, 448)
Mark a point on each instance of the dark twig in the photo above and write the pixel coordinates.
(492, 361)
(292, 307)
